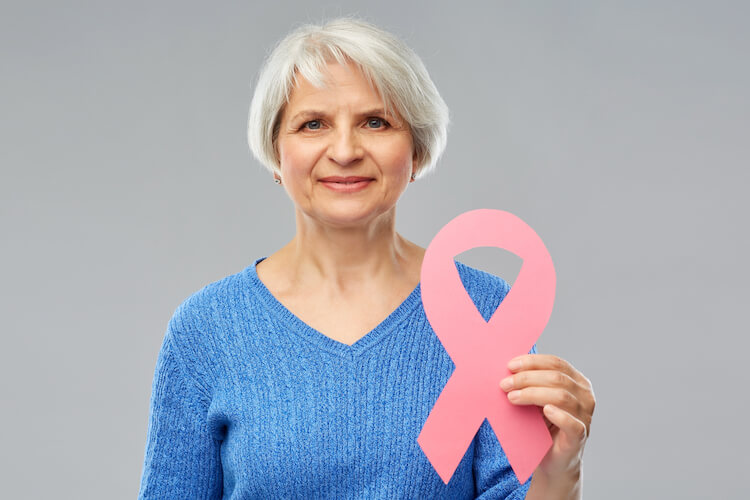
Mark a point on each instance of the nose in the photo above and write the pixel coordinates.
(345, 147)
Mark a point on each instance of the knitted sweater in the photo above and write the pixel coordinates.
(248, 401)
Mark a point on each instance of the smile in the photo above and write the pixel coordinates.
(346, 184)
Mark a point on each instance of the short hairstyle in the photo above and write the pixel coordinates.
(395, 71)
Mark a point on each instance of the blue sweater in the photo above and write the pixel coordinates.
(248, 401)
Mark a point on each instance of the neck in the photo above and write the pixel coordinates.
(342, 257)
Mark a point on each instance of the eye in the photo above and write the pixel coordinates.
(312, 125)
(375, 122)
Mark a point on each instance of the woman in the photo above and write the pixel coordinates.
(310, 373)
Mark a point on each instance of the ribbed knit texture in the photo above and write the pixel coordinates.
(248, 401)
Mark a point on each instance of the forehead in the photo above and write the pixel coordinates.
(343, 85)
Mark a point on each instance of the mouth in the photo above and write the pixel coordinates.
(346, 184)
(345, 180)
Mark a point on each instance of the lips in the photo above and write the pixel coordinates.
(349, 184)
(345, 180)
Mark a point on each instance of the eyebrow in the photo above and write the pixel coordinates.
(311, 112)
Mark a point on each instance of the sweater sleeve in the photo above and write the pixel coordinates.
(493, 475)
(182, 459)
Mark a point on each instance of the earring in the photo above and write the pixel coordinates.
(277, 180)
(413, 176)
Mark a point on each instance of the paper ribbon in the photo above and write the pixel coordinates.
(481, 350)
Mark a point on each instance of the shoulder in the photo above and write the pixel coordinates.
(199, 331)
(202, 325)
(485, 289)
(210, 303)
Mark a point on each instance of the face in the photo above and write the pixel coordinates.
(344, 162)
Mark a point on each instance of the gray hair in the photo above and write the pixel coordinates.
(395, 71)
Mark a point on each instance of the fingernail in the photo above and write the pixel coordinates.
(514, 396)
(506, 384)
(514, 364)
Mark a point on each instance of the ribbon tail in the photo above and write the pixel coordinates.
(450, 428)
(523, 435)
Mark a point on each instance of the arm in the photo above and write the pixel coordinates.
(182, 459)
(567, 487)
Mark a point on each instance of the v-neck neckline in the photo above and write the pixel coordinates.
(318, 338)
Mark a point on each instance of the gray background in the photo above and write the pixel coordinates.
(618, 130)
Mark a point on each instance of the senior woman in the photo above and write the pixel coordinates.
(310, 373)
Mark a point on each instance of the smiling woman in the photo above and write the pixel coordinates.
(310, 373)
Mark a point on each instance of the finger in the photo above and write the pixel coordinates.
(546, 362)
(573, 428)
(561, 398)
(542, 396)
(539, 362)
(540, 378)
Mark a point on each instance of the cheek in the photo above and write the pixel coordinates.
(295, 157)
(399, 156)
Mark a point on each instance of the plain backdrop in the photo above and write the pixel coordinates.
(618, 130)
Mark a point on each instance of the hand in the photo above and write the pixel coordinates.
(567, 401)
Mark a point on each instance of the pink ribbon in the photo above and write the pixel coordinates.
(481, 350)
